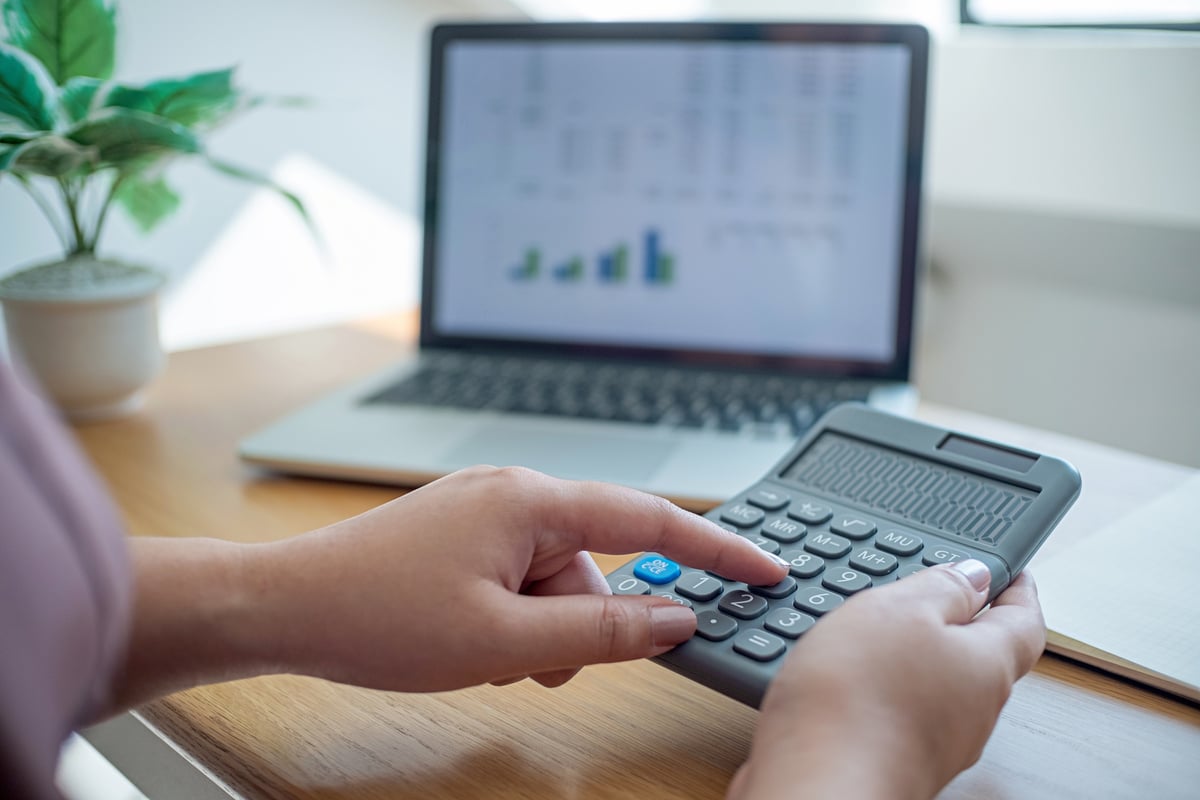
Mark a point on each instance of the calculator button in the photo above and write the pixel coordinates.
(827, 545)
(902, 543)
(911, 569)
(656, 570)
(742, 604)
(759, 645)
(770, 545)
(784, 530)
(873, 561)
(742, 515)
(776, 590)
(816, 600)
(810, 513)
(802, 564)
(943, 555)
(674, 598)
(699, 586)
(846, 581)
(627, 584)
(715, 627)
(853, 527)
(768, 499)
(788, 622)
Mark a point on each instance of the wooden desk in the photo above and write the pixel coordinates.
(627, 730)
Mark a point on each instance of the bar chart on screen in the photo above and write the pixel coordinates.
(594, 189)
(609, 267)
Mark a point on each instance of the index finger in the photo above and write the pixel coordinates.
(606, 518)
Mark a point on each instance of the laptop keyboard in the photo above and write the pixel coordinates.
(766, 406)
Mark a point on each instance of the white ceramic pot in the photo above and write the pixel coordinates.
(87, 329)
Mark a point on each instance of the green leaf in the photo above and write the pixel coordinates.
(71, 37)
(243, 174)
(201, 99)
(48, 155)
(18, 137)
(129, 140)
(27, 94)
(77, 96)
(148, 201)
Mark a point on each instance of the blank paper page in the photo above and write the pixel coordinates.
(1132, 589)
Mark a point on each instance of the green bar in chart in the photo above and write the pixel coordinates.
(528, 269)
(666, 269)
(620, 263)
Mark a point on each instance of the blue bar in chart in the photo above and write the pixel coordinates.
(651, 256)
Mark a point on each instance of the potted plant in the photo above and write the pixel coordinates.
(80, 143)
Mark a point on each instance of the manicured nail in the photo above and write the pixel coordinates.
(671, 624)
(976, 572)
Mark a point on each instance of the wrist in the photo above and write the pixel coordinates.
(835, 754)
(197, 618)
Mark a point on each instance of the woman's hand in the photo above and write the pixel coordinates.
(896, 692)
(484, 576)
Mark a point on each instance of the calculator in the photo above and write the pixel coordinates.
(863, 499)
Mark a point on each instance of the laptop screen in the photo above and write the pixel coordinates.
(741, 193)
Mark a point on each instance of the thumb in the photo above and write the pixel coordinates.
(955, 592)
(573, 630)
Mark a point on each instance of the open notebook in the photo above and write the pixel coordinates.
(1126, 599)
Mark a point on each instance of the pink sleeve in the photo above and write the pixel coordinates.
(65, 590)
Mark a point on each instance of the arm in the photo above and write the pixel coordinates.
(481, 576)
(896, 692)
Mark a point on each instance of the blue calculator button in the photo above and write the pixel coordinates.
(656, 569)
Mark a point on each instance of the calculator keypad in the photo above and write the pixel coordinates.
(832, 554)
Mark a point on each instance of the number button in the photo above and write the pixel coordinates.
(846, 581)
(817, 601)
(627, 584)
(943, 555)
(699, 586)
(784, 530)
(742, 604)
(902, 543)
(742, 515)
(802, 564)
(853, 527)
(776, 590)
(759, 645)
(873, 561)
(810, 513)
(715, 627)
(656, 569)
(769, 499)
(770, 545)
(674, 598)
(827, 545)
(789, 623)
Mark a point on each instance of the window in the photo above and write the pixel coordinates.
(1168, 14)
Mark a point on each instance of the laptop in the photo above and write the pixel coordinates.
(654, 254)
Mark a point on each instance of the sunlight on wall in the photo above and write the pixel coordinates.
(265, 274)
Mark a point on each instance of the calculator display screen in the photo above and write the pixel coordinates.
(871, 476)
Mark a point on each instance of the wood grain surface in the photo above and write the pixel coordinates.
(625, 730)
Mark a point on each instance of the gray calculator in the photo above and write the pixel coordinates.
(864, 499)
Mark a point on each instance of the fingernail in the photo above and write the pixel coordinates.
(671, 624)
(976, 572)
(780, 561)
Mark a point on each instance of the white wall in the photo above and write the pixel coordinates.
(1063, 177)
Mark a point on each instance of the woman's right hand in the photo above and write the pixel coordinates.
(896, 692)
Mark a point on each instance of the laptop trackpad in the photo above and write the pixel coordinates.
(617, 459)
